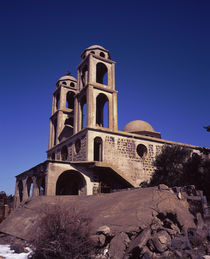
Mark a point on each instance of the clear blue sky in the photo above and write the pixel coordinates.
(162, 50)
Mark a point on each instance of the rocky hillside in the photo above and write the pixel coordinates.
(140, 223)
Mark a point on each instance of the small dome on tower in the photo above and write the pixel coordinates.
(96, 50)
(142, 128)
(67, 80)
(67, 77)
(96, 47)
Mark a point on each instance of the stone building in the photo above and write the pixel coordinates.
(87, 154)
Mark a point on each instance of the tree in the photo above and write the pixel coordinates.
(170, 166)
(180, 166)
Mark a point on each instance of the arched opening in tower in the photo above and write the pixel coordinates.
(29, 184)
(70, 183)
(20, 190)
(57, 101)
(101, 74)
(84, 75)
(98, 149)
(70, 100)
(55, 131)
(102, 111)
(84, 112)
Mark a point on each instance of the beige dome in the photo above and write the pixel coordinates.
(67, 77)
(138, 126)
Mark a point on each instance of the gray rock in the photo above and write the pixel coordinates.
(180, 243)
(118, 246)
(197, 236)
(140, 240)
(161, 241)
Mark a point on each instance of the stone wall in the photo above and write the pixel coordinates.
(121, 152)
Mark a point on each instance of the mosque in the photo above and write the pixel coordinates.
(87, 154)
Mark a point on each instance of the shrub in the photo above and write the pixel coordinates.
(62, 233)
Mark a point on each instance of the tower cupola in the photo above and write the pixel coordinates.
(96, 50)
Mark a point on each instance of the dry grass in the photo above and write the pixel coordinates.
(63, 233)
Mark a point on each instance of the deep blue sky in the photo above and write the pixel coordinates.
(162, 50)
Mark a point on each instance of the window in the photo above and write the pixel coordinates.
(97, 149)
(77, 145)
(141, 150)
(64, 153)
(102, 54)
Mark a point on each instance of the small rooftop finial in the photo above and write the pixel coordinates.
(68, 73)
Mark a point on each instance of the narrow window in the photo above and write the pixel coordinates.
(97, 149)
(64, 153)
(72, 84)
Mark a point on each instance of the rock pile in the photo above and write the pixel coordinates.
(163, 238)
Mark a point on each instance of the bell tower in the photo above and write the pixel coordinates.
(62, 109)
(96, 84)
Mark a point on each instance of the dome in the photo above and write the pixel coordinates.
(67, 77)
(138, 126)
(96, 47)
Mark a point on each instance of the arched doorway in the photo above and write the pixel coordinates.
(20, 190)
(70, 183)
(29, 184)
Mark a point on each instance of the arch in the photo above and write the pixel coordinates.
(55, 131)
(84, 75)
(20, 190)
(70, 100)
(41, 183)
(29, 184)
(102, 102)
(64, 153)
(101, 73)
(57, 101)
(70, 183)
(83, 104)
(98, 150)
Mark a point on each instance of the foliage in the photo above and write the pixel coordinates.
(169, 166)
(179, 166)
(63, 233)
